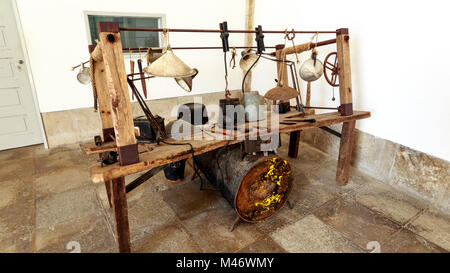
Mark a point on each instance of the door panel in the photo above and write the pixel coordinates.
(19, 124)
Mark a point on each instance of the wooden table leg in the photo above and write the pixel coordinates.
(120, 208)
(345, 152)
(294, 140)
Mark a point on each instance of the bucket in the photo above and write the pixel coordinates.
(174, 172)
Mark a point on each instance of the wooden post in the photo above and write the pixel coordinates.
(116, 81)
(248, 39)
(120, 208)
(294, 137)
(104, 100)
(345, 75)
(281, 67)
(294, 141)
(345, 152)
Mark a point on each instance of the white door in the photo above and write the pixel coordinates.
(19, 124)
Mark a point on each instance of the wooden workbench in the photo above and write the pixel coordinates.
(153, 155)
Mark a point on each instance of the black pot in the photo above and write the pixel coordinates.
(231, 118)
(187, 111)
(284, 107)
(174, 172)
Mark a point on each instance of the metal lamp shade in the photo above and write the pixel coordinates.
(248, 58)
(169, 65)
(281, 93)
(186, 82)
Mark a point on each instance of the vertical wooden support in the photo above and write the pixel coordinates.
(345, 152)
(116, 81)
(345, 75)
(281, 67)
(248, 39)
(104, 100)
(120, 208)
(294, 141)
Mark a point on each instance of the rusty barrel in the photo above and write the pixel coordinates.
(257, 186)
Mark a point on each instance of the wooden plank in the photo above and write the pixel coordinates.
(345, 153)
(163, 153)
(294, 141)
(104, 100)
(345, 77)
(120, 208)
(118, 90)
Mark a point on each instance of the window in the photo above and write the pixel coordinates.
(130, 39)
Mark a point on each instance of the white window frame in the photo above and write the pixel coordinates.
(161, 21)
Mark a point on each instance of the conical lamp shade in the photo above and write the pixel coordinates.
(281, 93)
(169, 65)
(186, 82)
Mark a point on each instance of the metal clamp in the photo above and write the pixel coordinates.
(224, 36)
(260, 39)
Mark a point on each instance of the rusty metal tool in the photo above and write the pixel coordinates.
(144, 86)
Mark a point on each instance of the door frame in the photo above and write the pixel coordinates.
(30, 74)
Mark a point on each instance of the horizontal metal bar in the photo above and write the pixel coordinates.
(143, 178)
(331, 131)
(142, 49)
(220, 31)
(318, 107)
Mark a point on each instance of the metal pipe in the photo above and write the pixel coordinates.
(331, 131)
(142, 49)
(220, 31)
(317, 107)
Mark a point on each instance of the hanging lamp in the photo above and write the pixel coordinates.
(169, 65)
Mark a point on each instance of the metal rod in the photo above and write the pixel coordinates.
(317, 107)
(331, 131)
(143, 178)
(220, 31)
(142, 49)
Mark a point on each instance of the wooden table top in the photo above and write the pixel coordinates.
(153, 155)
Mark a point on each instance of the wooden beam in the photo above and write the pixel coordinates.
(281, 67)
(345, 153)
(120, 208)
(294, 141)
(248, 39)
(345, 75)
(118, 90)
(104, 100)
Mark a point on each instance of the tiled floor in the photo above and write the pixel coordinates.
(47, 201)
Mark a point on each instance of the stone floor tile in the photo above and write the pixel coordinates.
(407, 242)
(91, 232)
(188, 200)
(312, 235)
(66, 206)
(15, 190)
(20, 153)
(168, 239)
(390, 202)
(210, 229)
(16, 168)
(434, 226)
(356, 221)
(17, 244)
(147, 212)
(264, 245)
(16, 219)
(60, 180)
(53, 160)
